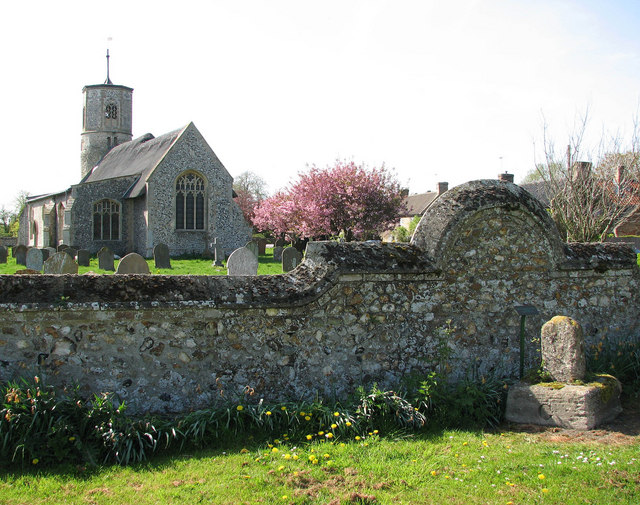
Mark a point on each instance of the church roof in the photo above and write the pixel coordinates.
(137, 157)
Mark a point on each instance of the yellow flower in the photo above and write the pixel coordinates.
(375, 432)
(321, 433)
(268, 412)
(296, 457)
(545, 490)
(326, 456)
(336, 414)
(284, 497)
(283, 408)
(276, 441)
(309, 437)
(302, 414)
(358, 438)
(434, 473)
(35, 461)
(509, 503)
(275, 449)
(465, 443)
(348, 423)
(329, 435)
(244, 451)
(334, 426)
(307, 418)
(71, 439)
(541, 476)
(342, 444)
(239, 408)
(287, 456)
(484, 442)
(280, 468)
(447, 477)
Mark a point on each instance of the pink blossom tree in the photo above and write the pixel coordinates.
(344, 199)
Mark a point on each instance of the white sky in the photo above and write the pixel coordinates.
(437, 90)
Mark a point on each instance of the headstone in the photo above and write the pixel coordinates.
(242, 262)
(35, 259)
(252, 245)
(218, 253)
(278, 247)
(62, 247)
(105, 259)
(133, 263)
(262, 246)
(161, 256)
(4, 252)
(72, 251)
(83, 257)
(562, 345)
(291, 258)
(20, 252)
(60, 263)
(47, 252)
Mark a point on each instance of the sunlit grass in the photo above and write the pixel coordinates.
(179, 266)
(458, 467)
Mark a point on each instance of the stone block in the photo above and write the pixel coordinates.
(580, 407)
(35, 259)
(105, 259)
(60, 263)
(291, 258)
(161, 256)
(133, 263)
(562, 345)
(242, 262)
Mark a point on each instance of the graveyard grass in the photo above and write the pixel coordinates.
(179, 266)
(453, 467)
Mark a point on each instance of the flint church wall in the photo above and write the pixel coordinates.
(349, 315)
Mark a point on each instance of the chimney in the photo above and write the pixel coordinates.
(442, 187)
(619, 175)
(506, 177)
(581, 170)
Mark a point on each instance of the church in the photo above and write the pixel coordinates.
(136, 193)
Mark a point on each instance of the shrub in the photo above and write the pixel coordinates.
(617, 357)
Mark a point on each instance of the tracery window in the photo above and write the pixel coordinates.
(190, 198)
(111, 111)
(106, 220)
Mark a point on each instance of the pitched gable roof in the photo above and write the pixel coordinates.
(137, 157)
(416, 204)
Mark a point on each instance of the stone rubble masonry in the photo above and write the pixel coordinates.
(350, 314)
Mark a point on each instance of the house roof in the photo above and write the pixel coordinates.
(137, 157)
(416, 204)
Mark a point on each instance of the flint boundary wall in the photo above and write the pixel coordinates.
(349, 315)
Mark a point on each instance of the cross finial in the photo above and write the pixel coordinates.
(108, 81)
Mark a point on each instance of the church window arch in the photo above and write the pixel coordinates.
(190, 198)
(106, 220)
(111, 111)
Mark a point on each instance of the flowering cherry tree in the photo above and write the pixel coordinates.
(344, 199)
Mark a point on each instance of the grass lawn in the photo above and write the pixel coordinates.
(179, 266)
(451, 467)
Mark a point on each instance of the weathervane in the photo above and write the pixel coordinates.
(108, 81)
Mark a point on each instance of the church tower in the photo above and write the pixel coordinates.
(106, 120)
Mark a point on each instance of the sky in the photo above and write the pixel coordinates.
(436, 91)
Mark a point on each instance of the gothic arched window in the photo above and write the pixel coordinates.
(111, 111)
(190, 199)
(106, 220)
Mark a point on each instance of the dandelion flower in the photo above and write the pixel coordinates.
(465, 443)
(287, 456)
(434, 473)
(326, 456)
(336, 414)
(307, 418)
(375, 432)
(334, 426)
(348, 423)
(329, 435)
(275, 449)
(280, 468)
(541, 476)
(321, 433)
(545, 490)
(71, 439)
(239, 408)
(296, 457)
(302, 414)
(358, 438)
(244, 451)
(35, 461)
(283, 408)
(268, 412)
(309, 437)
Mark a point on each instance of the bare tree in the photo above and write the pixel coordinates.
(590, 191)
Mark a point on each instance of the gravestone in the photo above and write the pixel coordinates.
(562, 345)
(62, 247)
(133, 263)
(20, 253)
(105, 259)
(242, 262)
(4, 252)
(262, 246)
(161, 256)
(35, 259)
(83, 257)
(277, 249)
(218, 254)
(72, 251)
(47, 252)
(60, 263)
(252, 245)
(291, 258)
